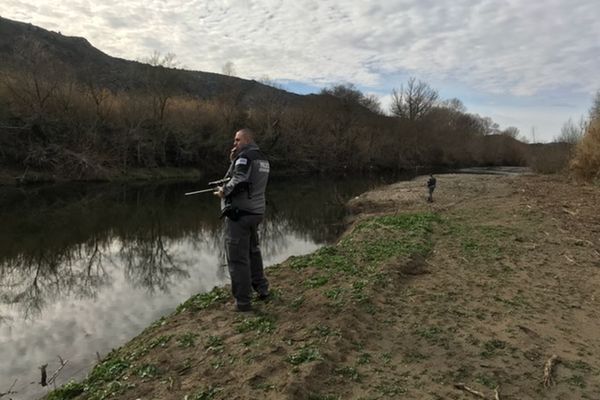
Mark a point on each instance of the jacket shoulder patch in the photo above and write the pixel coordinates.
(264, 166)
(241, 161)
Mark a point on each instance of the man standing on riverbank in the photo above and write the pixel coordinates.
(243, 206)
(431, 182)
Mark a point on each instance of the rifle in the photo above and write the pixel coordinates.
(212, 189)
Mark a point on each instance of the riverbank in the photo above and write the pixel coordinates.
(481, 287)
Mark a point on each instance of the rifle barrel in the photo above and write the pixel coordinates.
(220, 181)
(200, 191)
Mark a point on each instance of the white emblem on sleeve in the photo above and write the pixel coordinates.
(263, 166)
(241, 161)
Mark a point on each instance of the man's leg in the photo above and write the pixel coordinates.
(237, 243)
(259, 281)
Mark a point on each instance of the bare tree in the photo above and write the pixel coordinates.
(511, 131)
(413, 101)
(595, 109)
(454, 104)
(160, 80)
(571, 133)
(228, 69)
(350, 94)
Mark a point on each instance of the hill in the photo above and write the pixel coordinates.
(76, 55)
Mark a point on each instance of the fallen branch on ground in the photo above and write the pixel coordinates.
(569, 211)
(548, 366)
(10, 391)
(62, 365)
(528, 331)
(462, 386)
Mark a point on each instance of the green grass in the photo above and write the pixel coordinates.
(316, 281)
(160, 341)
(214, 344)
(202, 301)
(260, 324)
(349, 373)
(576, 381)
(109, 370)
(67, 391)
(479, 242)
(314, 396)
(373, 241)
(187, 340)
(304, 355)
(147, 371)
(492, 347)
(208, 393)
(486, 381)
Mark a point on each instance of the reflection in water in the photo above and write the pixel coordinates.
(83, 268)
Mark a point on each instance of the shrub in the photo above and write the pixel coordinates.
(586, 163)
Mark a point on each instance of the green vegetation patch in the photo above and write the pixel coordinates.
(361, 253)
(109, 370)
(147, 371)
(260, 324)
(492, 347)
(316, 281)
(202, 301)
(480, 241)
(349, 373)
(304, 355)
(187, 339)
(160, 341)
(385, 237)
(208, 393)
(372, 241)
(214, 344)
(67, 391)
(487, 381)
(316, 396)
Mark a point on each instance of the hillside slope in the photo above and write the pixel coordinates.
(84, 61)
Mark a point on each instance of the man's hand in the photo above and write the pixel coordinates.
(233, 153)
(219, 192)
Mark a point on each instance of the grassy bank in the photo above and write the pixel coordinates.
(480, 287)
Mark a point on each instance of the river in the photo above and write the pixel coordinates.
(86, 267)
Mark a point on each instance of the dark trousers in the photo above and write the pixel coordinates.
(431, 189)
(244, 258)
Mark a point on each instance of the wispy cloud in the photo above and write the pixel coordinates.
(502, 47)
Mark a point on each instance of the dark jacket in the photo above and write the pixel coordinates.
(431, 183)
(249, 173)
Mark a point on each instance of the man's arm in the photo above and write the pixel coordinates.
(240, 177)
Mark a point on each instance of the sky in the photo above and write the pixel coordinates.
(528, 64)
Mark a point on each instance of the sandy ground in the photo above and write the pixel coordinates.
(514, 278)
(511, 277)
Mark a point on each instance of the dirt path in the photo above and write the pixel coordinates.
(481, 288)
